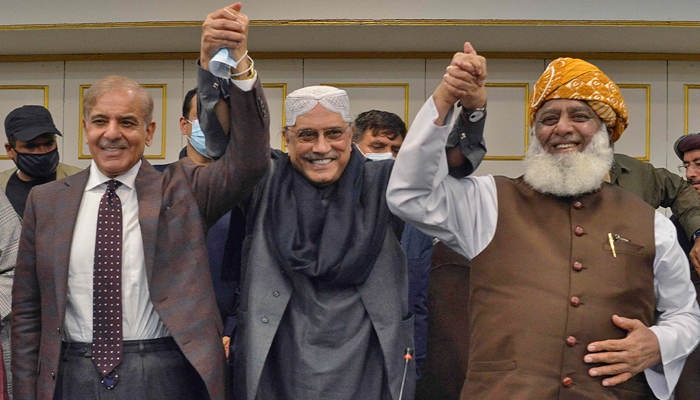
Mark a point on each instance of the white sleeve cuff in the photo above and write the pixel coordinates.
(246, 85)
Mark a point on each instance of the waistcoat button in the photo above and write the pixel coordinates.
(575, 301)
(571, 341)
(264, 320)
(578, 205)
(567, 382)
(276, 294)
(578, 231)
(577, 266)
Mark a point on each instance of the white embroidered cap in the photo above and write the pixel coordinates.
(303, 100)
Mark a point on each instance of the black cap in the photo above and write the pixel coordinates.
(685, 143)
(27, 122)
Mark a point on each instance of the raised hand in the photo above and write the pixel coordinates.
(464, 81)
(226, 27)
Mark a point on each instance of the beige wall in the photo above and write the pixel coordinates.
(660, 95)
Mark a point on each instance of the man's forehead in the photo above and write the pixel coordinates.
(559, 105)
(319, 115)
(123, 102)
(691, 155)
(383, 133)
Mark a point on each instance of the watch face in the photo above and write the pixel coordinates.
(476, 115)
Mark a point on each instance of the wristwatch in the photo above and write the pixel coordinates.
(476, 114)
(695, 235)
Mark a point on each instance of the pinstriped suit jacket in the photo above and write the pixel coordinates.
(175, 210)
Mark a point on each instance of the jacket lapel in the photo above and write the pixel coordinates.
(150, 196)
(65, 216)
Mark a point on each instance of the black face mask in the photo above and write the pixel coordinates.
(37, 166)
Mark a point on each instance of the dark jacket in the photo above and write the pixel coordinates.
(659, 187)
(175, 210)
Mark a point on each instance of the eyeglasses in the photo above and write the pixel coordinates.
(311, 135)
(686, 166)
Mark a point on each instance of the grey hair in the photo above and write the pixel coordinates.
(116, 83)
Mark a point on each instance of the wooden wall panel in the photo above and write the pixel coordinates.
(30, 83)
(397, 86)
(508, 87)
(400, 86)
(643, 85)
(279, 77)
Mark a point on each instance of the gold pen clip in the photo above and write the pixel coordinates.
(612, 243)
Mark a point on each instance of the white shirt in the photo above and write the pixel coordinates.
(463, 214)
(139, 319)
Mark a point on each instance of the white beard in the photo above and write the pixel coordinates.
(572, 173)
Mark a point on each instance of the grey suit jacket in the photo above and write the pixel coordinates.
(266, 293)
(175, 210)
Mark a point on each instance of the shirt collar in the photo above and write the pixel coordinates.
(619, 166)
(97, 178)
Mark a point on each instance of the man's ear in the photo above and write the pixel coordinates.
(150, 129)
(8, 149)
(85, 131)
(183, 125)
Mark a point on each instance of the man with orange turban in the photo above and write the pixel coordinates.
(577, 285)
(658, 187)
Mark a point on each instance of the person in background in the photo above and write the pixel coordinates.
(687, 148)
(10, 228)
(378, 135)
(31, 144)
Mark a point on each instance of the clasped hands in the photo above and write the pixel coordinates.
(226, 27)
(464, 81)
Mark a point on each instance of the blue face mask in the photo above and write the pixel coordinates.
(197, 140)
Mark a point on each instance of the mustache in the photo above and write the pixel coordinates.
(316, 156)
(568, 138)
(693, 181)
(119, 143)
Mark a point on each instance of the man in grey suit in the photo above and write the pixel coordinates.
(323, 311)
(140, 321)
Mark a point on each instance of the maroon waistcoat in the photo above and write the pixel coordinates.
(548, 285)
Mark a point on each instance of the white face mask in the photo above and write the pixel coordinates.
(380, 156)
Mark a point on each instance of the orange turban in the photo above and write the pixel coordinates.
(571, 78)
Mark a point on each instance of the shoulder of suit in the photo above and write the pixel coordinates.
(626, 161)
(5, 177)
(66, 170)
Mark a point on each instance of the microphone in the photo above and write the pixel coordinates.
(408, 357)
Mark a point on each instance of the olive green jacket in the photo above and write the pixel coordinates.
(659, 187)
(62, 171)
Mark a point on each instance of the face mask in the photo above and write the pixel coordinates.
(37, 166)
(197, 139)
(380, 156)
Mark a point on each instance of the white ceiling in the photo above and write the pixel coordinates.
(27, 12)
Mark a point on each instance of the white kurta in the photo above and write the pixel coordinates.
(463, 214)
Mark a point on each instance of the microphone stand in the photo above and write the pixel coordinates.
(408, 357)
